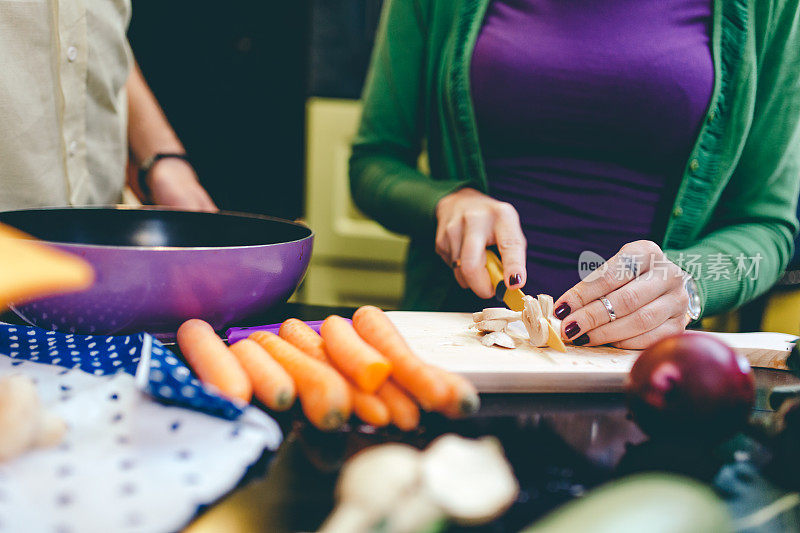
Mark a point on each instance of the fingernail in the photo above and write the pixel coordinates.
(572, 329)
(515, 279)
(562, 311)
(580, 341)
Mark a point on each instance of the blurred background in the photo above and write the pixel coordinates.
(265, 97)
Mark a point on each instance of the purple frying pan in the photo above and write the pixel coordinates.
(156, 268)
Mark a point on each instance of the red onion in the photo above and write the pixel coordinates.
(691, 386)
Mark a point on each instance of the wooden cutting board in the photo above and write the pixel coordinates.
(446, 340)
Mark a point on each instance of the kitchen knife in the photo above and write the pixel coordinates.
(512, 298)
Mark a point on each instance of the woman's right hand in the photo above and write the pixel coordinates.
(469, 221)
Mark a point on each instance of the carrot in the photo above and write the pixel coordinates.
(324, 394)
(273, 386)
(407, 369)
(302, 336)
(368, 407)
(463, 399)
(404, 412)
(213, 361)
(352, 356)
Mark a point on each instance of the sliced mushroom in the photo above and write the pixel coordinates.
(546, 303)
(532, 304)
(489, 326)
(530, 317)
(501, 313)
(516, 330)
(499, 338)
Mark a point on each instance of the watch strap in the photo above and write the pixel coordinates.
(148, 164)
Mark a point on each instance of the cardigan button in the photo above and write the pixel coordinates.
(712, 115)
(678, 211)
(694, 165)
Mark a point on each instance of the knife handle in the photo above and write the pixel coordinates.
(512, 298)
(495, 268)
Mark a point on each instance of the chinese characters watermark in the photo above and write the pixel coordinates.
(713, 267)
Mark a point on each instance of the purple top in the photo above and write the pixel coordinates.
(587, 112)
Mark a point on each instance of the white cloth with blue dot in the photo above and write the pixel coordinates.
(147, 444)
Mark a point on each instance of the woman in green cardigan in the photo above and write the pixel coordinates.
(662, 134)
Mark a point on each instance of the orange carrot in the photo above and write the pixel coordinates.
(324, 394)
(352, 356)
(213, 362)
(407, 369)
(366, 406)
(273, 386)
(463, 399)
(369, 408)
(302, 336)
(405, 413)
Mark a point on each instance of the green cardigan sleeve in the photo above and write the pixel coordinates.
(755, 220)
(384, 179)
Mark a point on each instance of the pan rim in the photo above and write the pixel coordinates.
(113, 207)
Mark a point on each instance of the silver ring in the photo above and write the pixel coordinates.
(611, 314)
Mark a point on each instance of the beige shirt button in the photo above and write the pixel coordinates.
(694, 165)
(72, 149)
(678, 211)
(72, 53)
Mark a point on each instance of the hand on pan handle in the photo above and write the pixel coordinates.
(468, 222)
(173, 183)
(646, 295)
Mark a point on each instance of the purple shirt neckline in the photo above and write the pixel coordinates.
(587, 112)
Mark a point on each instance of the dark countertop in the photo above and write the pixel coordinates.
(560, 446)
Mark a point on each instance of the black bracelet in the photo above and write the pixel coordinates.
(148, 164)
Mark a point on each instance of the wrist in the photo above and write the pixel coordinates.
(148, 165)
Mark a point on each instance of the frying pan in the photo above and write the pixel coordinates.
(155, 268)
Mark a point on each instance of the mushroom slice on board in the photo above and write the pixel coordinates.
(471, 480)
(531, 314)
(499, 338)
(500, 313)
(546, 303)
(516, 330)
(491, 325)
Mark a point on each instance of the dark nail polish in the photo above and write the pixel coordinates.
(580, 341)
(515, 279)
(572, 329)
(562, 311)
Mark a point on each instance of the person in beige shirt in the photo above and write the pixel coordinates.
(74, 105)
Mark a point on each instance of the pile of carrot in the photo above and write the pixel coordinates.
(365, 368)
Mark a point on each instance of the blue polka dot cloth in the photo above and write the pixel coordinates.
(157, 370)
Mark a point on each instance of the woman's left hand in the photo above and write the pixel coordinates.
(645, 290)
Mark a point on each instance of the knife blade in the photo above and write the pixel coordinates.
(512, 298)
